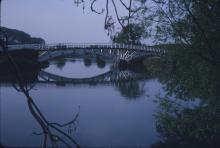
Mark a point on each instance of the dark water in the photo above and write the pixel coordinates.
(116, 114)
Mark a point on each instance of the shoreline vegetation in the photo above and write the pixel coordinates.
(20, 37)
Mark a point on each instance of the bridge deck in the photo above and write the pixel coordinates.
(66, 46)
(113, 51)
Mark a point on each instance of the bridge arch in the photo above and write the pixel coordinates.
(108, 77)
(111, 51)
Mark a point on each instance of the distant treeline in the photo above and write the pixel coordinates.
(20, 37)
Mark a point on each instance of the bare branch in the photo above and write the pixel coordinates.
(94, 10)
(116, 12)
(124, 4)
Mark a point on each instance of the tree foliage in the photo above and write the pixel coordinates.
(193, 23)
(20, 37)
(131, 34)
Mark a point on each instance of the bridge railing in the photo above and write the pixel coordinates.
(24, 46)
(84, 46)
(96, 45)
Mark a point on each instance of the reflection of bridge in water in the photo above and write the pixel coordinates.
(130, 84)
(111, 51)
(108, 77)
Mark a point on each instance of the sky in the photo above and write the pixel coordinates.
(56, 21)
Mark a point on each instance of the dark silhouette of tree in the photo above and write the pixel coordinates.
(131, 90)
(192, 23)
(130, 34)
(47, 127)
(87, 61)
(181, 126)
(20, 37)
(100, 63)
(60, 63)
(132, 7)
(188, 114)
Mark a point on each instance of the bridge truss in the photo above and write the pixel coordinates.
(111, 51)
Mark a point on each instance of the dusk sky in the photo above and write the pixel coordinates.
(54, 20)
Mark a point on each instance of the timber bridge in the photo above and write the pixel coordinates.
(115, 52)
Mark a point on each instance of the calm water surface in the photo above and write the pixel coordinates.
(113, 114)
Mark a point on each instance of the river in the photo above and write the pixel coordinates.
(99, 114)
